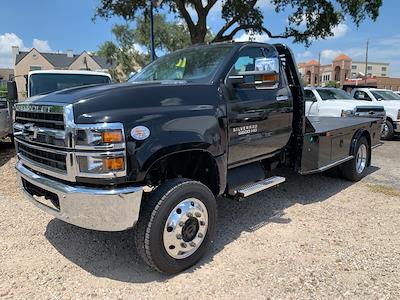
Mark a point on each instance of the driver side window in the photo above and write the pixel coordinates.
(361, 95)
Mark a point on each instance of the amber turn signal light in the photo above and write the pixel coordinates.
(114, 163)
(111, 136)
(269, 77)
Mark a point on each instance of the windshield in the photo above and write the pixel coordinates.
(385, 95)
(191, 64)
(333, 94)
(47, 83)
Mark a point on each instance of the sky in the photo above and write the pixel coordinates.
(56, 26)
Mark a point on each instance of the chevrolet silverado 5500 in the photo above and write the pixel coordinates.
(153, 154)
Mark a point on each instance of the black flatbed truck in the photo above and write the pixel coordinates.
(154, 154)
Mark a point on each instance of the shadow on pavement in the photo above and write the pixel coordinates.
(113, 255)
(7, 151)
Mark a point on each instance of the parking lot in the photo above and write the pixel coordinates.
(311, 237)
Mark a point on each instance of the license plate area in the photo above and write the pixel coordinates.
(42, 196)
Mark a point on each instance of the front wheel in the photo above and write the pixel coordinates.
(176, 225)
(356, 168)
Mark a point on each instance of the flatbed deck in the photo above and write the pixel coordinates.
(328, 141)
(329, 124)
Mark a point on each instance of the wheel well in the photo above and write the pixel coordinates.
(389, 119)
(196, 165)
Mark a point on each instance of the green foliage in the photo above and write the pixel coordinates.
(333, 84)
(308, 19)
(168, 36)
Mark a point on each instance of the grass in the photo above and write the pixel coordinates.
(384, 189)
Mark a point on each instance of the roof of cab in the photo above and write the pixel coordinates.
(73, 72)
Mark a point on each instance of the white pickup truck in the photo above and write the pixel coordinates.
(332, 102)
(391, 102)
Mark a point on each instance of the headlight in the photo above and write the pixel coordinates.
(101, 165)
(102, 135)
(347, 113)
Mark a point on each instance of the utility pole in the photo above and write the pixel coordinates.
(319, 69)
(152, 50)
(366, 63)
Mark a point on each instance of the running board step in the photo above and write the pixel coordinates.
(253, 188)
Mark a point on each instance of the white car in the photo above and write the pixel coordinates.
(332, 102)
(391, 102)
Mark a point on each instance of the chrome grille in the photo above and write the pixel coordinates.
(370, 112)
(50, 159)
(39, 119)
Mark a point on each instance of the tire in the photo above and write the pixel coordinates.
(356, 168)
(162, 220)
(388, 131)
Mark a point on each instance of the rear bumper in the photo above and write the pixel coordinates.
(91, 208)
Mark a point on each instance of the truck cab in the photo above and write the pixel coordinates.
(154, 154)
(391, 102)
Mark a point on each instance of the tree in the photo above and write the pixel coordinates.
(122, 56)
(307, 20)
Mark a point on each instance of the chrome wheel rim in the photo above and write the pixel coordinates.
(185, 228)
(361, 158)
(385, 130)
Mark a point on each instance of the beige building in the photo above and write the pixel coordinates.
(26, 61)
(373, 69)
(341, 69)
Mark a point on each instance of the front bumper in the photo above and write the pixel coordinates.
(92, 208)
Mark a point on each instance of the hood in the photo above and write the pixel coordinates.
(73, 95)
(116, 102)
(390, 104)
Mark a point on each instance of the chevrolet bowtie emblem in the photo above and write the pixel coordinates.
(30, 131)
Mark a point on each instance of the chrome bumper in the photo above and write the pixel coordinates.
(91, 208)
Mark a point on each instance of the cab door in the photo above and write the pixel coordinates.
(259, 112)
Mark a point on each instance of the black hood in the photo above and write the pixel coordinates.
(116, 102)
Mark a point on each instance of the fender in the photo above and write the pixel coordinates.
(357, 135)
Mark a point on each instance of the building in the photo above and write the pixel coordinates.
(26, 61)
(374, 69)
(341, 69)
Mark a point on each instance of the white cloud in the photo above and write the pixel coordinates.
(41, 45)
(305, 54)
(7, 40)
(250, 36)
(340, 30)
(329, 54)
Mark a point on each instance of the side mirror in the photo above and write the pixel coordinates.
(12, 94)
(256, 78)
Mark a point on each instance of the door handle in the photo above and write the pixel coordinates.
(282, 98)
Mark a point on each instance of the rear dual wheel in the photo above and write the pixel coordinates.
(176, 225)
(356, 168)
